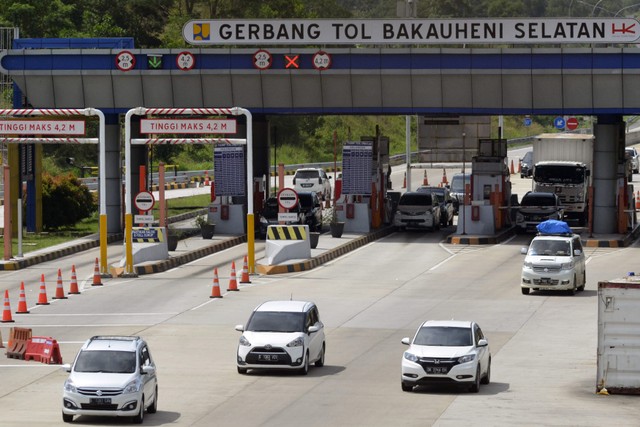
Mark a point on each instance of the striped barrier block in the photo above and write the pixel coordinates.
(287, 232)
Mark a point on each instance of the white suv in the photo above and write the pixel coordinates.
(313, 180)
(282, 335)
(111, 376)
(554, 262)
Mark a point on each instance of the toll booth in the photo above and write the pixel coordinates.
(228, 214)
(485, 207)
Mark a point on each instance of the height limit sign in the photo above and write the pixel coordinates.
(262, 60)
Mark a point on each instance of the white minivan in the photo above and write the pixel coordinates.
(554, 262)
(314, 180)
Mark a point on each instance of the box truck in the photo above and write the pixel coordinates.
(562, 165)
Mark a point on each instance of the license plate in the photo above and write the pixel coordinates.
(306, 185)
(100, 400)
(436, 370)
(268, 357)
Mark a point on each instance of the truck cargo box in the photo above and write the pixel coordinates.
(618, 362)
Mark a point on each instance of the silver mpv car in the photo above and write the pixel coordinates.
(111, 376)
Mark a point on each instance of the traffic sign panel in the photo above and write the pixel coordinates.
(185, 61)
(144, 201)
(287, 198)
(262, 60)
(572, 123)
(125, 60)
(559, 123)
(527, 121)
(321, 61)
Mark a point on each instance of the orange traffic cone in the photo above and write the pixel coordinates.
(444, 177)
(512, 171)
(245, 272)
(404, 183)
(6, 313)
(233, 284)
(215, 291)
(97, 280)
(42, 297)
(73, 287)
(206, 178)
(59, 288)
(22, 302)
(425, 180)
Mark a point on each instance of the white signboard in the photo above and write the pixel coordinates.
(42, 127)
(411, 31)
(188, 126)
(143, 219)
(287, 216)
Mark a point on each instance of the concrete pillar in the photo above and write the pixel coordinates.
(609, 137)
(115, 205)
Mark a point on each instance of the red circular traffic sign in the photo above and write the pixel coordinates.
(321, 60)
(144, 201)
(262, 60)
(125, 60)
(185, 61)
(572, 123)
(287, 198)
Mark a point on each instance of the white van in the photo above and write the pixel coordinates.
(314, 180)
(554, 262)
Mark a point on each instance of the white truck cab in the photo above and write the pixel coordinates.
(554, 262)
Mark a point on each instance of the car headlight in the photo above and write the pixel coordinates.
(528, 264)
(298, 342)
(519, 217)
(244, 342)
(410, 356)
(567, 266)
(263, 220)
(132, 387)
(467, 358)
(68, 386)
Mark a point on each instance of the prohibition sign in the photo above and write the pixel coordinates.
(144, 201)
(321, 60)
(287, 198)
(262, 60)
(125, 60)
(185, 61)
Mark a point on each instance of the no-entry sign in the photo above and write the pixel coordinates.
(572, 123)
(287, 198)
(144, 201)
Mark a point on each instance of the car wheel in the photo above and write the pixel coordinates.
(451, 220)
(320, 361)
(406, 387)
(242, 370)
(572, 291)
(305, 365)
(487, 378)
(153, 408)
(67, 418)
(138, 419)
(475, 387)
(584, 282)
(525, 291)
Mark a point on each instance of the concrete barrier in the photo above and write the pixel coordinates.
(287, 242)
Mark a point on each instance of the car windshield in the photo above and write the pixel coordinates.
(422, 199)
(538, 200)
(549, 247)
(276, 321)
(528, 157)
(457, 183)
(117, 362)
(444, 336)
(307, 174)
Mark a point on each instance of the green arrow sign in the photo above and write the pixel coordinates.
(154, 61)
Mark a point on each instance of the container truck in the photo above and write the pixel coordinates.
(562, 165)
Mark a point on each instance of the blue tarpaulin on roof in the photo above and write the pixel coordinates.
(553, 226)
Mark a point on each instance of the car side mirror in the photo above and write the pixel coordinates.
(240, 328)
(312, 329)
(483, 343)
(577, 252)
(146, 370)
(406, 341)
(66, 367)
(524, 250)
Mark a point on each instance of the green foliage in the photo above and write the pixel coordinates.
(65, 201)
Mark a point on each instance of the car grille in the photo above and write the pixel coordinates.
(546, 268)
(100, 392)
(256, 356)
(431, 362)
(94, 407)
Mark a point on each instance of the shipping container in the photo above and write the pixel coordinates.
(618, 362)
